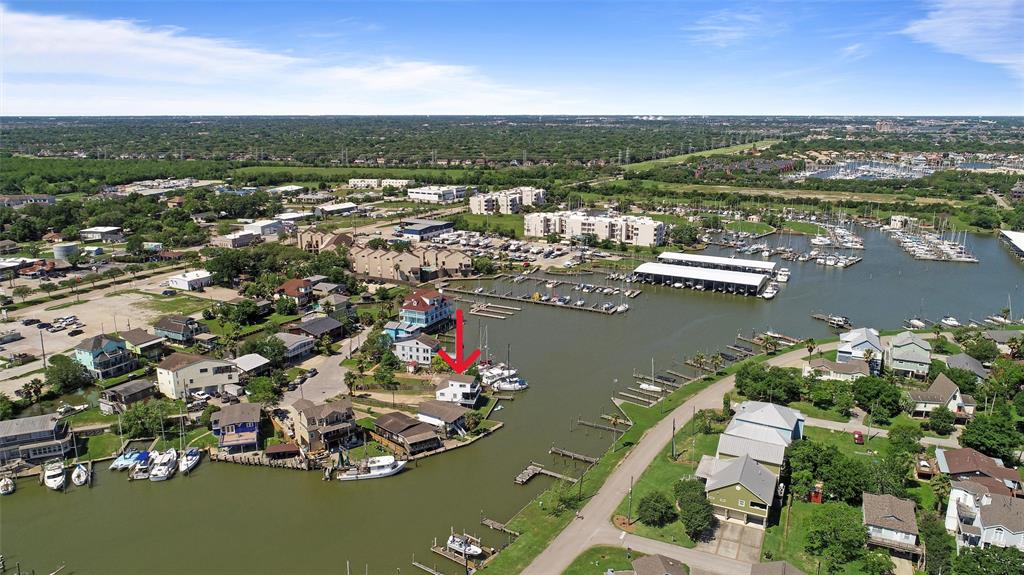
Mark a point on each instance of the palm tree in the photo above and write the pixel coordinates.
(940, 487)
(717, 362)
(810, 345)
(869, 354)
(33, 389)
(770, 344)
(699, 358)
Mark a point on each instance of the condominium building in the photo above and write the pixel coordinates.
(440, 194)
(506, 201)
(632, 230)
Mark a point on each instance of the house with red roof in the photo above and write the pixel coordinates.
(424, 310)
(299, 290)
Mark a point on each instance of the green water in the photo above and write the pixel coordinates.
(231, 519)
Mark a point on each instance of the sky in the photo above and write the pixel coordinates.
(231, 57)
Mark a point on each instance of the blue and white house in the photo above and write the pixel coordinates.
(858, 344)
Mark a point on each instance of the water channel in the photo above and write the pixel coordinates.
(232, 519)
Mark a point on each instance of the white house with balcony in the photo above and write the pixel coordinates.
(979, 517)
(461, 389)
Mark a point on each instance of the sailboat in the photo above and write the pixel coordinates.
(503, 377)
(80, 475)
(6, 486)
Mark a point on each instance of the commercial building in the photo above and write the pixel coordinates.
(106, 234)
(439, 194)
(363, 183)
(315, 241)
(506, 201)
(741, 283)
(181, 374)
(718, 263)
(339, 209)
(1014, 241)
(35, 438)
(238, 239)
(264, 227)
(631, 230)
(194, 280)
(421, 263)
(418, 230)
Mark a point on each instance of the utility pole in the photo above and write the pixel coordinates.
(629, 508)
(42, 347)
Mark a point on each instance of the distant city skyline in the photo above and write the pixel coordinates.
(935, 57)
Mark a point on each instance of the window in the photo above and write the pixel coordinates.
(742, 503)
(203, 370)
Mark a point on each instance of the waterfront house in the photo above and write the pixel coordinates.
(251, 365)
(178, 328)
(405, 433)
(318, 327)
(449, 418)
(823, 368)
(860, 344)
(741, 489)
(966, 362)
(891, 524)
(775, 568)
(298, 290)
(417, 351)
(967, 464)
(118, 398)
(143, 344)
(909, 355)
(461, 389)
(1001, 337)
(324, 426)
(765, 445)
(942, 392)
(786, 421)
(105, 356)
(35, 438)
(296, 346)
(425, 310)
(181, 374)
(978, 517)
(237, 426)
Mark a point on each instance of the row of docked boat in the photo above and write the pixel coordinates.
(156, 465)
(55, 476)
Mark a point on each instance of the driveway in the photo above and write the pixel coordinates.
(734, 541)
(330, 378)
(952, 441)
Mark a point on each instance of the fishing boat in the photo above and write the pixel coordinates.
(950, 321)
(6, 486)
(462, 546)
(140, 469)
(80, 475)
(373, 468)
(125, 460)
(166, 465)
(189, 461)
(53, 474)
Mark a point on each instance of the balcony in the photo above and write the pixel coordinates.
(893, 544)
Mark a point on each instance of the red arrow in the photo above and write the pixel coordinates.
(459, 364)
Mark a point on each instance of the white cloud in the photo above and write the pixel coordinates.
(990, 31)
(853, 52)
(726, 28)
(61, 65)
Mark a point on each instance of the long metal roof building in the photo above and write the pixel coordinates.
(718, 262)
(710, 279)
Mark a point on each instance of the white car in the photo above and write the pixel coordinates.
(200, 396)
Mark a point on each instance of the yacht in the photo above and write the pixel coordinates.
(125, 460)
(677, 285)
(820, 241)
(189, 460)
(950, 321)
(140, 470)
(783, 275)
(373, 468)
(80, 475)
(462, 546)
(53, 474)
(770, 292)
(166, 465)
(6, 486)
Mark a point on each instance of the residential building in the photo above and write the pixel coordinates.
(964, 361)
(251, 365)
(766, 446)
(337, 306)
(105, 356)
(178, 328)
(1002, 338)
(891, 524)
(237, 426)
(1017, 191)
(967, 464)
(318, 327)
(417, 351)
(327, 288)
(978, 517)
(461, 389)
(299, 290)
(418, 229)
(405, 433)
(325, 426)
(238, 239)
(861, 344)
(9, 247)
(631, 230)
(785, 421)
(35, 438)
(656, 565)
(18, 200)
(143, 344)
(439, 194)
(194, 280)
(942, 392)
(421, 263)
(827, 369)
(181, 374)
(447, 417)
(909, 355)
(296, 346)
(506, 201)
(105, 234)
(118, 398)
(264, 227)
(741, 489)
(424, 310)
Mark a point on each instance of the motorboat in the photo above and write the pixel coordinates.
(189, 461)
(53, 474)
(165, 466)
(580, 303)
(373, 468)
(511, 383)
(6, 486)
(770, 292)
(140, 469)
(651, 388)
(80, 475)
(125, 460)
(783, 275)
(461, 545)
(917, 324)
(950, 321)
(677, 285)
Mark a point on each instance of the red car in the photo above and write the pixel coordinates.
(858, 438)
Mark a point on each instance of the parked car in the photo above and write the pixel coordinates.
(42, 325)
(168, 292)
(29, 321)
(200, 395)
(858, 438)
(75, 332)
(55, 328)
(196, 406)
(312, 372)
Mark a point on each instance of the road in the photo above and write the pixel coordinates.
(330, 378)
(951, 441)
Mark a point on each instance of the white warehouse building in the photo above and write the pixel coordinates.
(632, 230)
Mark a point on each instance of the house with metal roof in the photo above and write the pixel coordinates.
(908, 354)
(861, 344)
(237, 426)
(892, 524)
(251, 364)
(701, 278)
(105, 356)
(741, 489)
(296, 346)
(785, 420)
(35, 438)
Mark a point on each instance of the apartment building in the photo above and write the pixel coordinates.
(440, 194)
(631, 230)
(506, 201)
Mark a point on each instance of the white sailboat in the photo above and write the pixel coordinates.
(80, 475)
(6, 486)
(189, 460)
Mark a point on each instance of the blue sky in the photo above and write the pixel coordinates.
(335, 57)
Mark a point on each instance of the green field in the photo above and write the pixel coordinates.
(179, 304)
(789, 546)
(808, 228)
(600, 559)
(99, 446)
(712, 152)
(756, 228)
(514, 221)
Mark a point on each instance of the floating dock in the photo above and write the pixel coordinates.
(595, 308)
(498, 526)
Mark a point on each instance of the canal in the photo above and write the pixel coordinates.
(232, 519)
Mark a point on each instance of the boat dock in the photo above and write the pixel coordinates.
(600, 426)
(573, 455)
(471, 564)
(535, 469)
(596, 308)
(498, 526)
(493, 311)
(836, 321)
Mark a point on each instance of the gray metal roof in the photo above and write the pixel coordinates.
(766, 266)
(759, 450)
(26, 425)
(746, 472)
(768, 414)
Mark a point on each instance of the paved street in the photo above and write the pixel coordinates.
(330, 378)
(951, 441)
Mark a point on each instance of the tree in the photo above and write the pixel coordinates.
(47, 287)
(836, 534)
(991, 560)
(879, 397)
(940, 486)
(6, 407)
(146, 419)
(473, 419)
(65, 374)
(904, 437)
(941, 420)
(208, 411)
(439, 365)
(939, 546)
(992, 435)
(262, 390)
(683, 234)
(323, 345)
(982, 349)
(760, 383)
(877, 563)
(770, 344)
(32, 389)
(655, 509)
(695, 510)
(22, 292)
(269, 347)
(133, 244)
(350, 379)
(286, 306)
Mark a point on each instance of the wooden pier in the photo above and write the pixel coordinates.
(600, 426)
(595, 308)
(573, 455)
(535, 469)
(498, 526)
(641, 401)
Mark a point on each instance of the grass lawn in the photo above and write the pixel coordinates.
(273, 319)
(98, 446)
(844, 441)
(198, 437)
(808, 228)
(178, 304)
(671, 160)
(494, 221)
(89, 416)
(66, 305)
(943, 346)
(829, 355)
(756, 228)
(780, 545)
(112, 381)
(810, 410)
(600, 559)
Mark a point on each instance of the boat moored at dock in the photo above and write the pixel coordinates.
(373, 468)
(54, 476)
